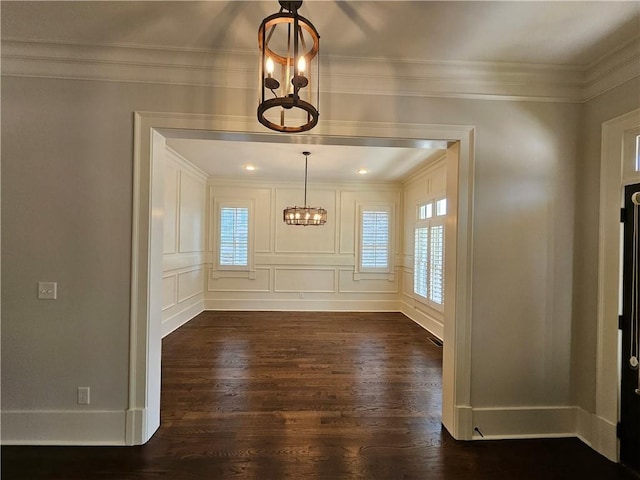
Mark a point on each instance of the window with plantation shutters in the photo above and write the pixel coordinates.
(428, 268)
(234, 237)
(421, 261)
(374, 240)
(436, 264)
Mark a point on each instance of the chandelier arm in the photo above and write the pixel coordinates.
(271, 30)
(288, 49)
(301, 36)
(296, 26)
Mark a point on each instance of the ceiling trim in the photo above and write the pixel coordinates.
(612, 70)
(237, 69)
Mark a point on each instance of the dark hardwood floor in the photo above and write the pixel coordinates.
(305, 396)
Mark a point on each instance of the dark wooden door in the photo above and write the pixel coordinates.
(630, 387)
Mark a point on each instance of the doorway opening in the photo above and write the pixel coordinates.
(151, 132)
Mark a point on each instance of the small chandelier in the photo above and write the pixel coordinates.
(305, 215)
(289, 69)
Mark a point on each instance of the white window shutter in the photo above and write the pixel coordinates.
(234, 236)
(374, 246)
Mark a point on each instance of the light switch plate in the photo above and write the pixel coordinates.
(48, 290)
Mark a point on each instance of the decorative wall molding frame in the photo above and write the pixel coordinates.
(237, 69)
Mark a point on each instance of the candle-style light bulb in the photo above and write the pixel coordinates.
(299, 80)
(270, 66)
(270, 82)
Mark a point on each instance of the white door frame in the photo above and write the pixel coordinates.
(614, 175)
(143, 414)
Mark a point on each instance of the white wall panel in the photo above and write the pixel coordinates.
(314, 239)
(305, 280)
(368, 285)
(261, 198)
(169, 292)
(350, 199)
(170, 240)
(348, 212)
(190, 284)
(192, 201)
(261, 282)
(183, 259)
(407, 282)
(428, 184)
(263, 223)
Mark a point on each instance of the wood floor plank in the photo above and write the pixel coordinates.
(295, 395)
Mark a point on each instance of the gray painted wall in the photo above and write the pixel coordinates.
(67, 149)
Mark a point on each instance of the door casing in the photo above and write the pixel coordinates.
(150, 129)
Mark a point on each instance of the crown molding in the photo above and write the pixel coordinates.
(340, 75)
(616, 68)
(127, 64)
(488, 80)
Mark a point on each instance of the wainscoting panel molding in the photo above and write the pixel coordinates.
(316, 280)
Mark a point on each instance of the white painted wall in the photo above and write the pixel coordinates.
(428, 185)
(67, 201)
(302, 268)
(183, 274)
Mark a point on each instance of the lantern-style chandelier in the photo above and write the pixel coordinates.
(289, 71)
(305, 215)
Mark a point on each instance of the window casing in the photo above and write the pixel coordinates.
(374, 239)
(428, 270)
(234, 236)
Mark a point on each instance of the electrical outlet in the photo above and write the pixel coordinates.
(300, 294)
(47, 290)
(84, 396)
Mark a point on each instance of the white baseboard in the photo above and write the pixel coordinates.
(584, 426)
(61, 427)
(524, 422)
(179, 319)
(303, 305)
(605, 440)
(598, 433)
(425, 321)
(463, 423)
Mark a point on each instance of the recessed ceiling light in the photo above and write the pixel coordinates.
(362, 171)
(249, 168)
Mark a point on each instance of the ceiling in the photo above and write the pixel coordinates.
(560, 33)
(284, 161)
(568, 33)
